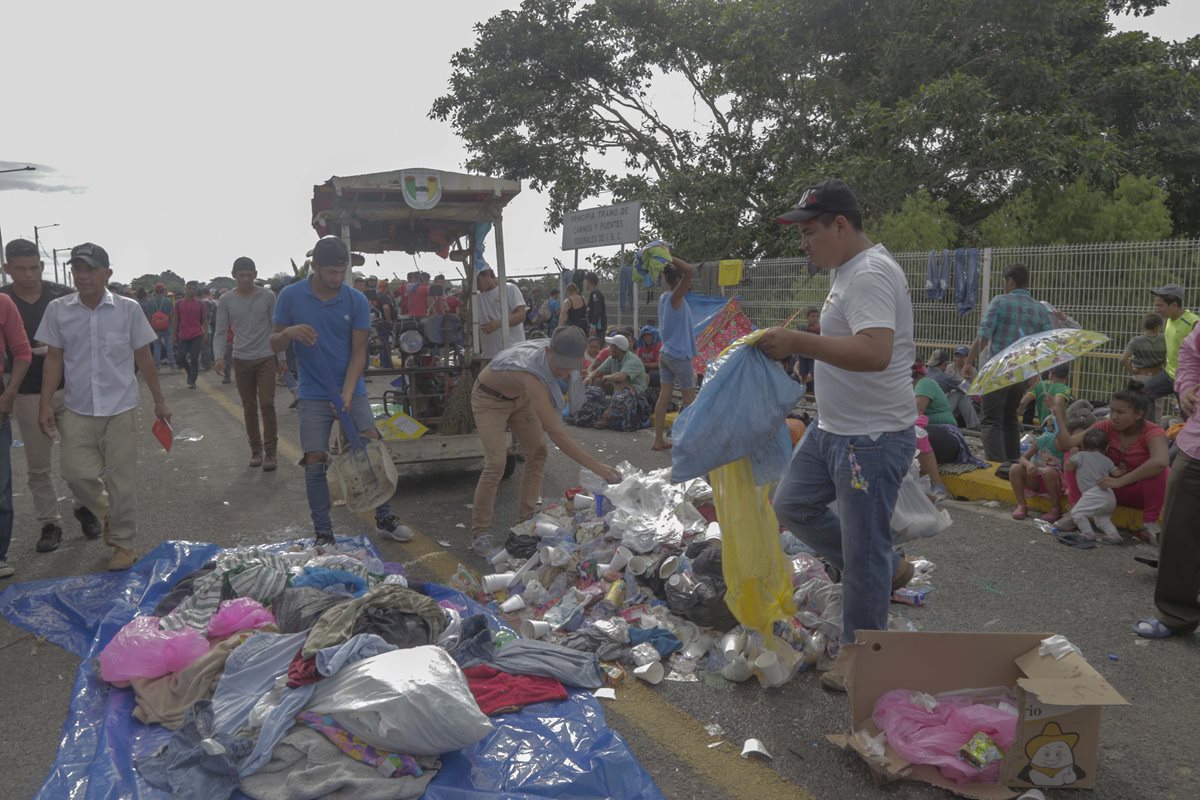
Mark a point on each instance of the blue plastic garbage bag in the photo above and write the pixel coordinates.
(549, 750)
(738, 412)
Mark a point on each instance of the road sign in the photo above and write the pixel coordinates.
(600, 227)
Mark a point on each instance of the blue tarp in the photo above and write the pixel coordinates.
(704, 309)
(550, 750)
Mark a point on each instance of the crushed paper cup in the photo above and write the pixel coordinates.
(753, 747)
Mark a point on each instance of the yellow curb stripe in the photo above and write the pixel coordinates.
(669, 727)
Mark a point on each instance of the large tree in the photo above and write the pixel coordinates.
(971, 101)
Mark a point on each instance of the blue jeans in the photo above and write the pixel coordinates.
(860, 543)
(6, 497)
(164, 348)
(316, 424)
(190, 349)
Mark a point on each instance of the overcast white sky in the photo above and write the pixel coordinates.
(191, 134)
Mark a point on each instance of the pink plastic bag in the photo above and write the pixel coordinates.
(239, 614)
(922, 735)
(143, 650)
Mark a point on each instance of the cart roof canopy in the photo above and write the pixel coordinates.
(412, 210)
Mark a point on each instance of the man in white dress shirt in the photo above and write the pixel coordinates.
(95, 339)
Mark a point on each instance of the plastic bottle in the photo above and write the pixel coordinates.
(1026, 441)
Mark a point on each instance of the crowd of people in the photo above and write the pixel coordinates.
(75, 356)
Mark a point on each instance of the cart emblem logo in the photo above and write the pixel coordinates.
(422, 190)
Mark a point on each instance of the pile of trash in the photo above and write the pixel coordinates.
(294, 672)
(633, 573)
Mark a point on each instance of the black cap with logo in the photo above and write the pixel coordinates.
(830, 195)
(330, 251)
(93, 255)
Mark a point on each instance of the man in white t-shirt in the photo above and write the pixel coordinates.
(489, 309)
(863, 441)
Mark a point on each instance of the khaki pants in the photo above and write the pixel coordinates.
(38, 452)
(95, 446)
(256, 386)
(492, 417)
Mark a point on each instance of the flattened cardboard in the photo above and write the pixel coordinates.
(1066, 692)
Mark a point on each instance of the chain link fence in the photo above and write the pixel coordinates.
(1105, 287)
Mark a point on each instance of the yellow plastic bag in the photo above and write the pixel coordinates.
(757, 575)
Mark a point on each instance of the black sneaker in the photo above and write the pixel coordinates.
(325, 540)
(89, 523)
(51, 536)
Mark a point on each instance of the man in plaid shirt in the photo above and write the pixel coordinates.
(1009, 317)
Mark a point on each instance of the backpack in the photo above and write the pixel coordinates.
(160, 320)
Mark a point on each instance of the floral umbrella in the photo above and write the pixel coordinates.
(1033, 355)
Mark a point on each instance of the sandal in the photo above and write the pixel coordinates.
(1152, 629)
(1020, 512)
(1050, 516)
(1076, 541)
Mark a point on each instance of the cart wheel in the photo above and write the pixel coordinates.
(510, 466)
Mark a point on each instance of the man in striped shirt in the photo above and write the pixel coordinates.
(1008, 318)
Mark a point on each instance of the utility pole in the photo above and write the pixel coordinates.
(66, 271)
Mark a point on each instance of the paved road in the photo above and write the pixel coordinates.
(993, 574)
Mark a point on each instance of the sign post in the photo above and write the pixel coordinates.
(602, 227)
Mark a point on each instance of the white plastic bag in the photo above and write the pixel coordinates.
(413, 701)
(915, 516)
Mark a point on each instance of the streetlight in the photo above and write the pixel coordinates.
(37, 242)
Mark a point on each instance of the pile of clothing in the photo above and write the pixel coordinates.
(290, 674)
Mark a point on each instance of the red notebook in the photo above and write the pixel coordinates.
(162, 431)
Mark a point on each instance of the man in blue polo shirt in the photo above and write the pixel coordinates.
(325, 317)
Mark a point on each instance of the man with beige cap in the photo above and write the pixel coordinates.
(519, 391)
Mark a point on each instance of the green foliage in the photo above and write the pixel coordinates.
(173, 282)
(1136, 210)
(221, 282)
(977, 102)
(921, 223)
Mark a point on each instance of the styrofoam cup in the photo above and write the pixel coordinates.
(620, 559)
(712, 532)
(500, 558)
(583, 502)
(514, 603)
(497, 581)
(698, 647)
(542, 528)
(732, 644)
(638, 565)
(668, 567)
(651, 673)
(535, 628)
(772, 669)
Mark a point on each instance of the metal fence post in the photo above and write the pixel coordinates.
(985, 280)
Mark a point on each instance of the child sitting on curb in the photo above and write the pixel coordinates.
(1040, 469)
(1091, 466)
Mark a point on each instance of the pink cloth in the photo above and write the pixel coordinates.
(1187, 375)
(12, 331)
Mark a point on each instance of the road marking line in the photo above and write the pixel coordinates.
(668, 726)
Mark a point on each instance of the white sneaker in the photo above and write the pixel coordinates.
(6, 571)
(393, 529)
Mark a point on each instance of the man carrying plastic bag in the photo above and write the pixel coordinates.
(859, 450)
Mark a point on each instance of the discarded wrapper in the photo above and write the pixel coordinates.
(980, 751)
(911, 596)
(605, 694)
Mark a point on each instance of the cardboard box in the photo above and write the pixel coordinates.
(1059, 700)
